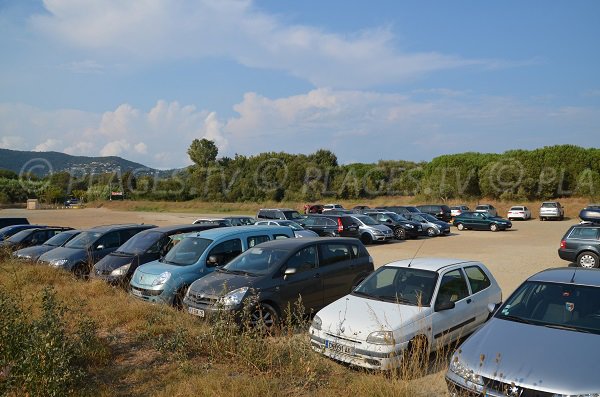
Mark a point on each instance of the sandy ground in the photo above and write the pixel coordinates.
(512, 255)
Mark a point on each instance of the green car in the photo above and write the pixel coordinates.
(481, 221)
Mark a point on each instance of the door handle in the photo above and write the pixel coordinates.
(469, 300)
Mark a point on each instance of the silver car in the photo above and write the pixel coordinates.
(370, 230)
(298, 230)
(544, 341)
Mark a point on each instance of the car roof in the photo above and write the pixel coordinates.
(430, 263)
(290, 243)
(568, 275)
(107, 228)
(238, 216)
(277, 209)
(233, 230)
(175, 228)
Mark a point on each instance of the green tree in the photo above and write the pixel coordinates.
(203, 152)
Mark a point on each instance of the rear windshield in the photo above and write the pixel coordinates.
(549, 205)
(59, 239)
(19, 236)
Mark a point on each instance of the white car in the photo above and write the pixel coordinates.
(458, 209)
(426, 302)
(298, 230)
(487, 208)
(329, 207)
(519, 212)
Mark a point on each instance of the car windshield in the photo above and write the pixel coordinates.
(257, 261)
(555, 305)
(418, 218)
(396, 217)
(84, 240)
(429, 218)
(292, 215)
(19, 236)
(516, 208)
(140, 243)
(187, 251)
(59, 239)
(549, 205)
(291, 224)
(367, 220)
(399, 284)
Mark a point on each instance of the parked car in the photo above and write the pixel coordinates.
(328, 207)
(581, 244)
(360, 209)
(8, 231)
(331, 225)
(217, 222)
(441, 212)
(31, 237)
(431, 225)
(276, 274)
(198, 254)
(487, 208)
(401, 209)
(279, 213)
(5, 221)
(33, 253)
(481, 221)
(409, 306)
(313, 209)
(551, 210)
(403, 228)
(299, 231)
(456, 210)
(339, 212)
(88, 247)
(518, 212)
(370, 230)
(146, 246)
(72, 202)
(240, 220)
(543, 341)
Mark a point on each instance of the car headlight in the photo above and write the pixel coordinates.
(58, 262)
(162, 278)
(458, 368)
(233, 298)
(377, 232)
(381, 338)
(316, 323)
(121, 271)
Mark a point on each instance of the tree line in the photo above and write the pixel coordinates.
(544, 173)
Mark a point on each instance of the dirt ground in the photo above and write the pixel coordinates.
(512, 256)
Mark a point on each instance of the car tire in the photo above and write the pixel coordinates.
(81, 271)
(587, 260)
(430, 232)
(417, 357)
(494, 227)
(264, 315)
(460, 226)
(178, 298)
(400, 234)
(366, 238)
(329, 235)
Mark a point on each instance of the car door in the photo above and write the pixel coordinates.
(104, 246)
(450, 324)
(337, 264)
(478, 222)
(480, 292)
(306, 284)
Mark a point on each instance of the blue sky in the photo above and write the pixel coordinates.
(368, 80)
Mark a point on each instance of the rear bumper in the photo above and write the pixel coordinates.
(570, 256)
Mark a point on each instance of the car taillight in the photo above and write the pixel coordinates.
(340, 225)
(563, 244)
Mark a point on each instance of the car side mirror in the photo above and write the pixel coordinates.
(444, 305)
(289, 272)
(212, 260)
(492, 307)
(99, 247)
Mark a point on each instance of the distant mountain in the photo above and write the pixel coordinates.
(41, 163)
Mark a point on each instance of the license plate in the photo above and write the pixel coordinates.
(196, 312)
(339, 348)
(136, 292)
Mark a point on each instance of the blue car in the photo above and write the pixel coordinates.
(166, 280)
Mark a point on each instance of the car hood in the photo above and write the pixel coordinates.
(218, 283)
(148, 272)
(537, 357)
(498, 219)
(356, 317)
(34, 252)
(114, 261)
(382, 228)
(71, 254)
(305, 233)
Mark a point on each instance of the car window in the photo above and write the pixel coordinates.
(452, 287)
(255, 240)
(161, 246)
(225, 251)
(330, 222)
(127, 234)
(109, 240)
(477, 278)
(333, 253)
(303, 260)
(584, 233)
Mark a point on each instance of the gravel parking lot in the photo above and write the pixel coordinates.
(512, 256)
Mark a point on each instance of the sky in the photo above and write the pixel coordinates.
(392, 79)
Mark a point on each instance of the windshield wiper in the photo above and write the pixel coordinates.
(517, 319)
(394, 299)
(241, 272)
(568, 328)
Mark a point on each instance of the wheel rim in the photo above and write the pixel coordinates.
(430, 232)
(263, 316)
(399, 234)
(460, 226)
(366, 238)
(587, 261)
(493, 227)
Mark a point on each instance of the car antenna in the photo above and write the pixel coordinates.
(416, 252)
(573, 278)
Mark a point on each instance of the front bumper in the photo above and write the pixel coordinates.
(150, 294)
(460, 387)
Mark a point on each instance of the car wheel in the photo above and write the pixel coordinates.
(264, 315)
(417, 357)
(430, 232)
(366, 238)
(460, 226)
(587, 260)
(400, 233)
(494, 227)
(329, 235)
(81, 271)
(178, 298)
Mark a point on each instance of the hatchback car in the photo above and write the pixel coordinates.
(518, 212)
(456, 210)
(279, 213)
(33, 253)
(551, 210)
(401, 209)
(299, 231)
(487, 209)
(8, 231)
(88, 247)
(275, 274)
(543, 341)
(440, 211)
(403, 228)
(195, 256)
(422, 303)
(31, 237)
(331, 225)
(581, 244)
(432, 226)
(148, 245)
(480, 221)
(371, 231)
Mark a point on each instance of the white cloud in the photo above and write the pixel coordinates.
(141, 148)
(115, 148)
(11, 142)
(158, 30)
(49, 144)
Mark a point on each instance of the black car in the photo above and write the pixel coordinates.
(13, 221)
(31, 237)
(33, 253)
(8, 231)
(403, 228)
(331, 225)
(581, 244)
(440, 211)
(274, 275)
(424, 219)
(146, 246)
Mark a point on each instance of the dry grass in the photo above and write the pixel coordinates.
(157, 351)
